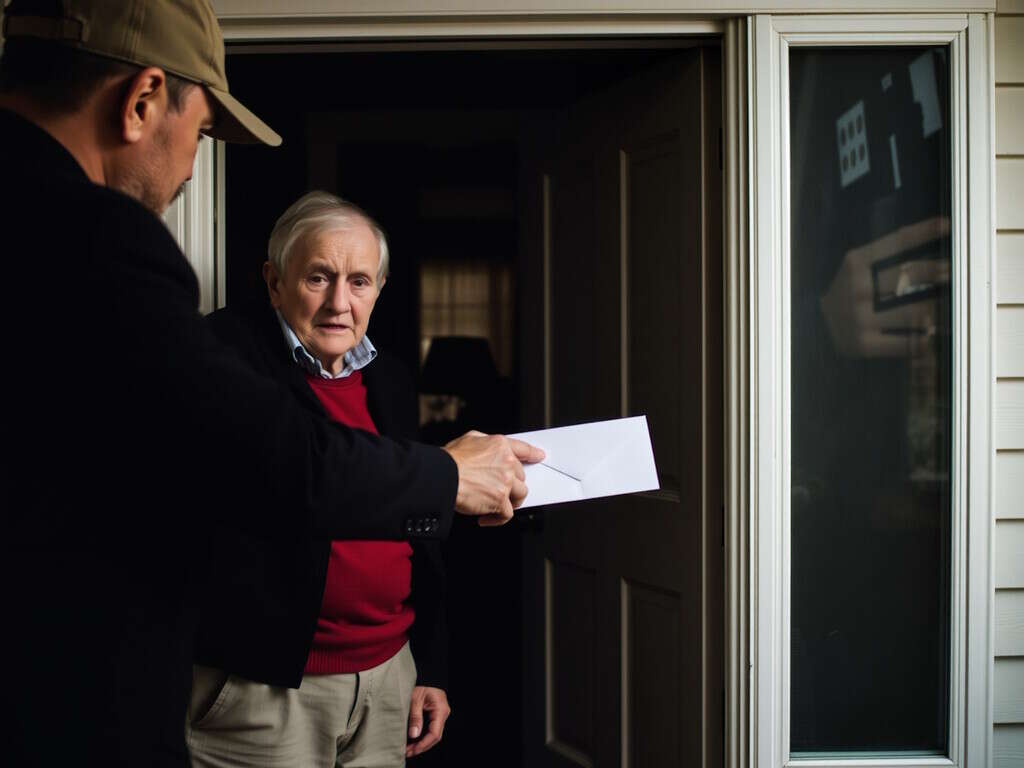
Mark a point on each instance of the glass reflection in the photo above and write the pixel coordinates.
(871, 390)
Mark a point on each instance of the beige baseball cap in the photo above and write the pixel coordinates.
(181, 37)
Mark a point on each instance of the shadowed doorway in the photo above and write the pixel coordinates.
(445, 148)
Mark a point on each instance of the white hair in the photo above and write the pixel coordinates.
(315, 213)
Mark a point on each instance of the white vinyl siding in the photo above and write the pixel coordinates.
(1009, 691)
(1009, 626)
(1009, 408)
(1009, 52)
(1009, 188)
(1010, 252)
(1008, 746)
(1010, 342)
(1008, 620)
(1009, 563)
(1009, 119)
(1009, 482)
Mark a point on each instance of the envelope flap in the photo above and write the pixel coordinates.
(574, 450)
(628, 468)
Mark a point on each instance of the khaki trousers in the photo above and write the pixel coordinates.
(350, 721)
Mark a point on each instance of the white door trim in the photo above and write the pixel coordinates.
(737, 381)
(981, 190)
(972, 231)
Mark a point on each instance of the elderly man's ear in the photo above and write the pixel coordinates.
(273, 280)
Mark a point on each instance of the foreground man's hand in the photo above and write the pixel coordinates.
(491, 475)
(433, 702)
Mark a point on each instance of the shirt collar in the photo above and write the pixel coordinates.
(357, 358)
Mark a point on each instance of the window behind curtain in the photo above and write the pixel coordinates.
(461, 298)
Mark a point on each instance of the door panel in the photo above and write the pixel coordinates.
(624, 586)
(586, 308)
(654, 295)
(652, 642)
(572, 599)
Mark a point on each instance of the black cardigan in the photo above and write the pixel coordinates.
(261, 606)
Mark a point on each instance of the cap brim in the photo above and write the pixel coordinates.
(234, 123)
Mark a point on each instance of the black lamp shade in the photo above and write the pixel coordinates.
(458, 365)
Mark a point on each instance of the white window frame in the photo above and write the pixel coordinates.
(969, 41)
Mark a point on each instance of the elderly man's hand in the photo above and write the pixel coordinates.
(433, 702)
(491, 475)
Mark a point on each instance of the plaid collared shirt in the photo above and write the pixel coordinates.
(357, 358)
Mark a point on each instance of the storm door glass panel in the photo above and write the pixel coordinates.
(871, 392)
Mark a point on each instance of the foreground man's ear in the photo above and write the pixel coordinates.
(143, 104)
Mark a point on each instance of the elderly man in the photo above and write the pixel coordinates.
(131, 430)
(308, 638)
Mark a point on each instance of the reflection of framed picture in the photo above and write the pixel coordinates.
(917, 274)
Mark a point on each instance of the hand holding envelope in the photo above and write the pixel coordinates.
(585, 461)
(491, 476)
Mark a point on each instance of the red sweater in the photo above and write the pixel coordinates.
(365, 614)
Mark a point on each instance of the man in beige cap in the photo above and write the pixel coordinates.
(130, 430)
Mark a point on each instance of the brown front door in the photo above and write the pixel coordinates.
(623, 599)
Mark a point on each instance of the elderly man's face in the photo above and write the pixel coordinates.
(328, 291)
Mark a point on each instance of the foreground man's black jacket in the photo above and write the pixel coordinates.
(129, 430)
(262, 600)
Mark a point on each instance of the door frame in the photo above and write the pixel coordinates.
(198, 222)
(392, 34)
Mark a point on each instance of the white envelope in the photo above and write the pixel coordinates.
(585, 461)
